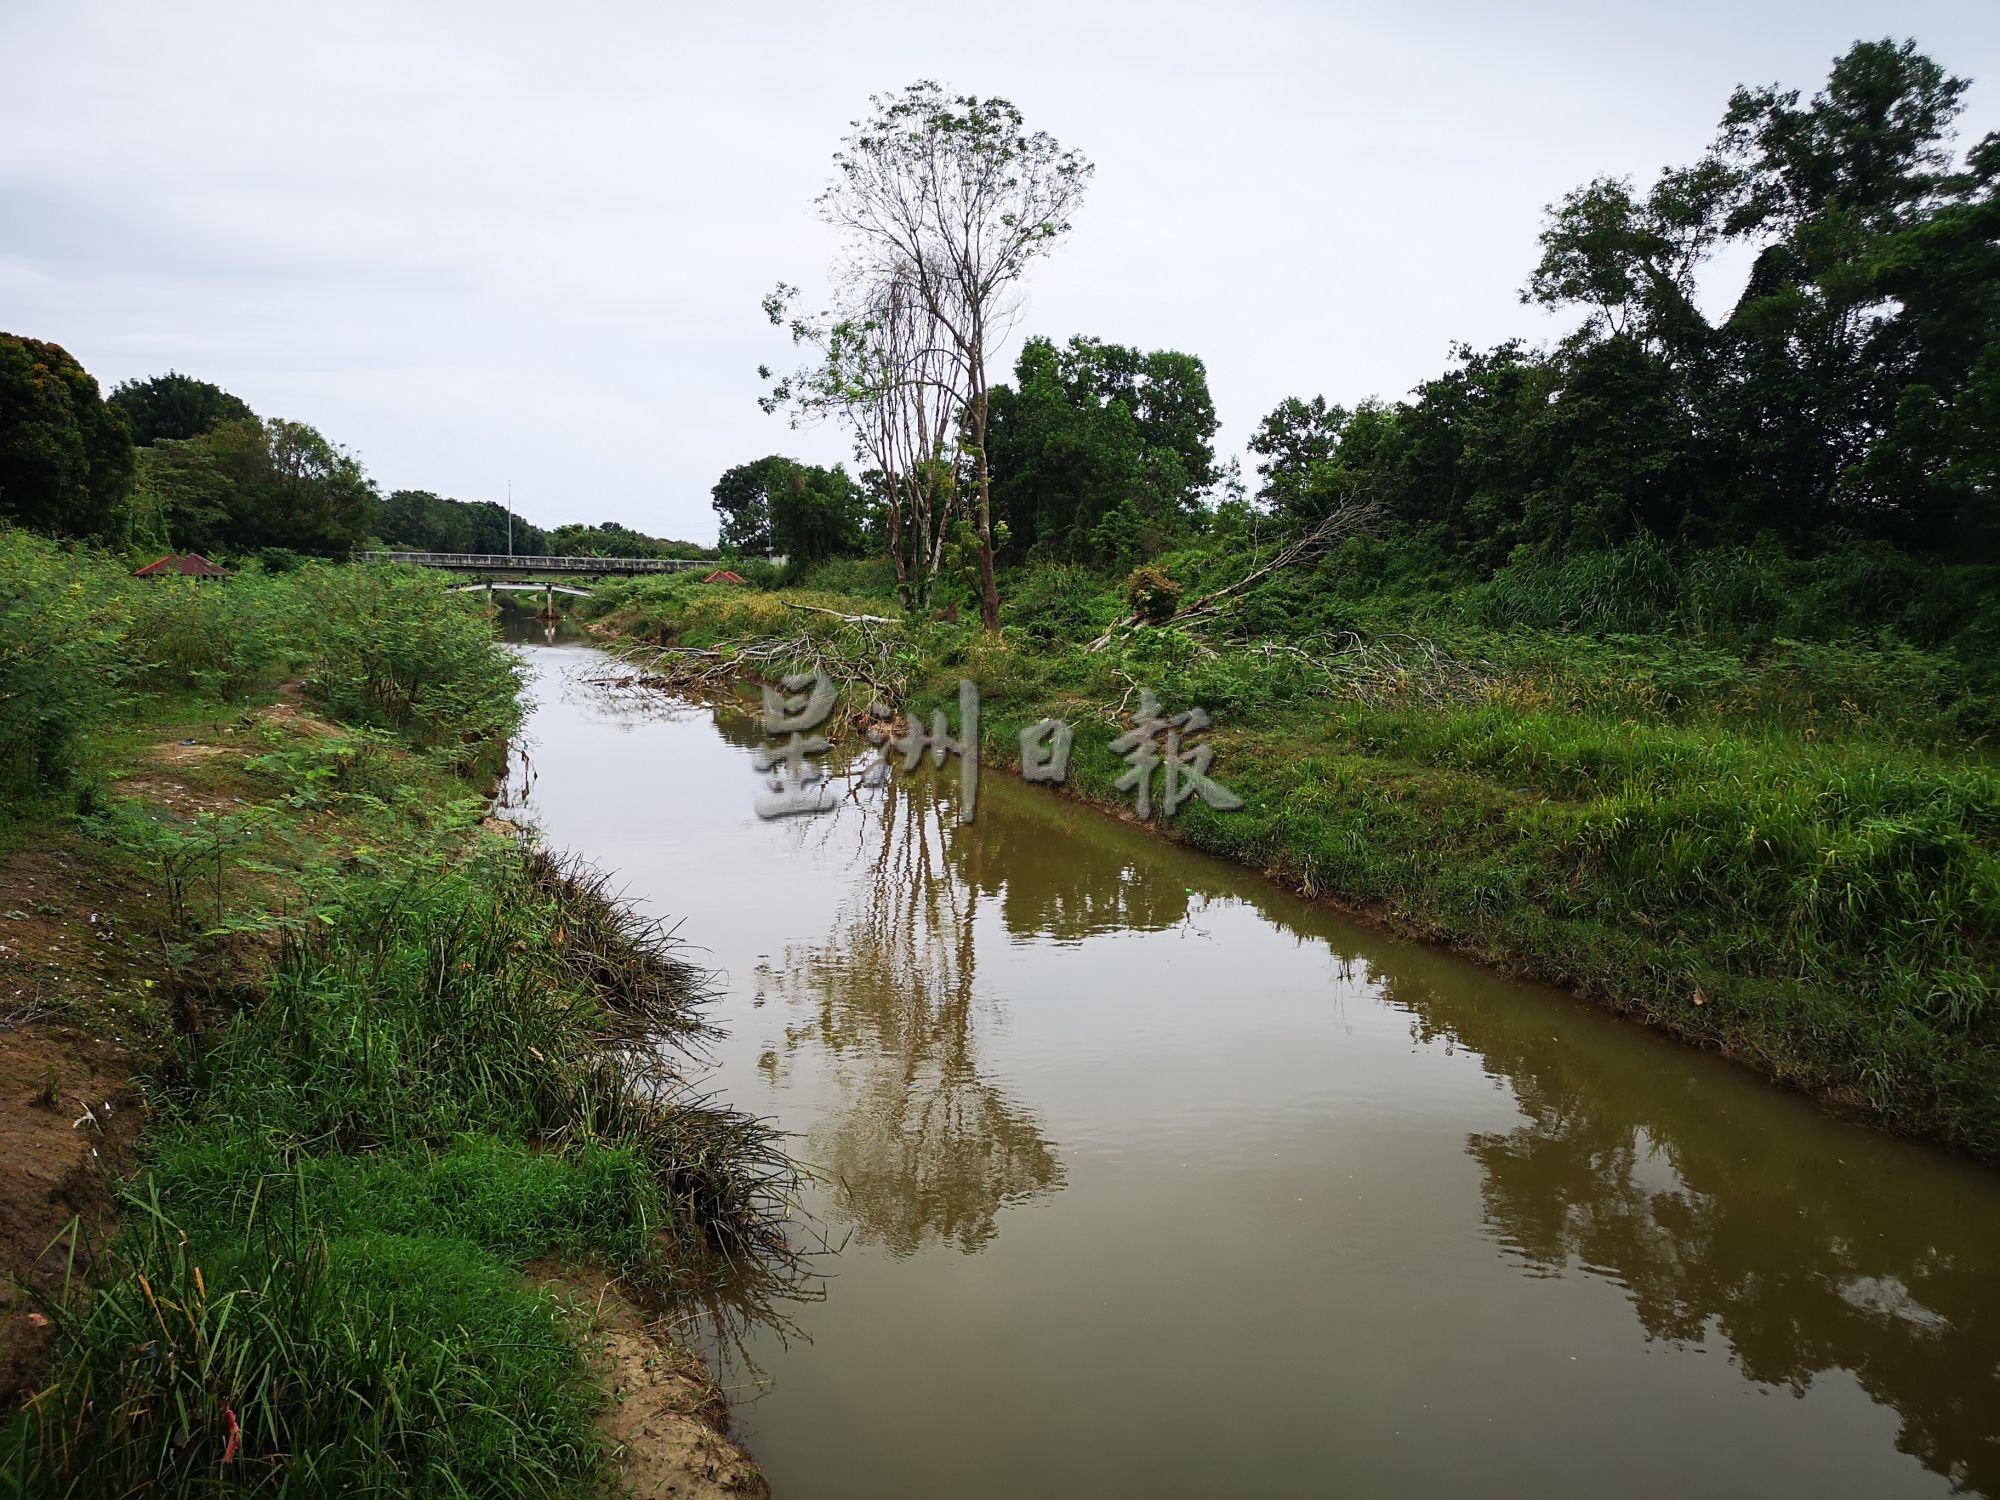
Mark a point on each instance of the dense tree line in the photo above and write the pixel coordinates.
(1852, 391)
(419, 521)
(169, 462)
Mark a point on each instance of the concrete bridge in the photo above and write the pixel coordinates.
(496, 565)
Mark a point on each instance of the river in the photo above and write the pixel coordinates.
(1151, 1179)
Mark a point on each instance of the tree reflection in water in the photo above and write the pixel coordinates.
(1725, 1211)
(1722, 1226)
(923, 1147)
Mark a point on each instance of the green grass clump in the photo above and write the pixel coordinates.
(454, 1071)
(292, 1361)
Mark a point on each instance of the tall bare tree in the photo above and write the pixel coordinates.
(883, 368)
(949, 196)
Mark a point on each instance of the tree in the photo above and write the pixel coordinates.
(1101, 453)
(496, 530)
(304, 493)
(1844, 388)
(1295, 437)
(188, 496)
(742, 498)
(802, 511)
(66, 459)
(174, 405)
(883, 370)
(816, 513)
(246, 485)
(950, 196)
(424, 522)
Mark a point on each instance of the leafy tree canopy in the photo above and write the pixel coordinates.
(1853, 390)
(65, 455)
(778, 506)
(1101, 453)
(252, 484)
(174, 405)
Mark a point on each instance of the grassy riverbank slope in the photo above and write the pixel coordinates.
(398, 1073)
(1744, 799)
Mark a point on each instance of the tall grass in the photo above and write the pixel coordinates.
(456, 1067)
(61, 662)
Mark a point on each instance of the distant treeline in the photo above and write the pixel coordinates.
(422, 522)
(179, 463)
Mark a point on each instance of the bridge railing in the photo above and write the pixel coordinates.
(480, 562)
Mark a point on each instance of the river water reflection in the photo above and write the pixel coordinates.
(1154, 1180)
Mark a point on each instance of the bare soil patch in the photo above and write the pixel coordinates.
(68, 1118)
(668, 1421)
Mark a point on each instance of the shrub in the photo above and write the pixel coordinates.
(63, 618)
(392, 647)
(1056, 605)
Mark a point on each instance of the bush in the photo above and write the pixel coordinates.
(214, 638)
(392, 647)
(858, 577)
(63, 618)
(1056, 605)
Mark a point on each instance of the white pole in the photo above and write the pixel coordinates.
(510, 518)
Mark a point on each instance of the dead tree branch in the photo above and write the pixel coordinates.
(1349, 519)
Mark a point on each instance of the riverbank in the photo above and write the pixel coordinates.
(344, 1139)
(1786, 857)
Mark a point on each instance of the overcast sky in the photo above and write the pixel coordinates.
(486, 242)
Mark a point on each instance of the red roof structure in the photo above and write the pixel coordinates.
(723, 575)
(182, 564)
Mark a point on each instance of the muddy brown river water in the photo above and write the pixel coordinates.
(1152, 1179)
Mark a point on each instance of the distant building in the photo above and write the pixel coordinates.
(723, 575)
(182, 565)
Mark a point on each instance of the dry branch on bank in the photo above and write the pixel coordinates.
(1389, 668)
(1350, 519)
(869, 653)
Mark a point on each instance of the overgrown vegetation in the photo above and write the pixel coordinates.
(83, 641)
(1661, 663)
(1745, 796)
(449, 1074)
(400, 1062)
